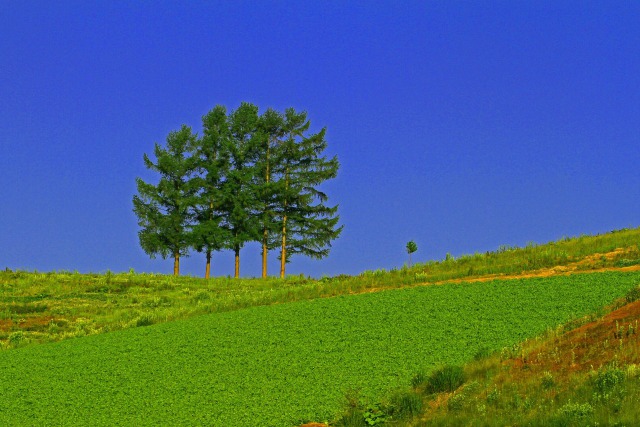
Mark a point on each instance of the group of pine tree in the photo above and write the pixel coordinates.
(247, 178)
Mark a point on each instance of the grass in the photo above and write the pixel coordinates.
(284, 364)
(44, 307)
(585, 373)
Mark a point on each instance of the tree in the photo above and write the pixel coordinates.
(165, 211)
(307, 225)
(411, 248)
(211, 152)
(272, 131)
(238, 190)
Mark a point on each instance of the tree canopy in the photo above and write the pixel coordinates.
(248, 178)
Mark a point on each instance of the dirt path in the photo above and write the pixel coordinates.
(579, 267)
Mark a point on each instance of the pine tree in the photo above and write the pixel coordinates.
(307, 225)
(272, 132)
(211, 151)
(239, 190)
(165, 211)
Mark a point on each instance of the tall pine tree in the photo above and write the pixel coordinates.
(211, 152)
(239, 190)
(307, 224)
(271, 128)
(165, 210)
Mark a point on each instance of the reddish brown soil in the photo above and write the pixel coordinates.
(582, 266)
(25, 324)
(587, 347)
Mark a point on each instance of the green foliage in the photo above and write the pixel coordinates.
(633, 294)
(404, 404)
(374, 415)
(411, 248)
(418, 380)
(608, 378)
(164, 210)
(547, 380)
(447, 378)
(576, 412)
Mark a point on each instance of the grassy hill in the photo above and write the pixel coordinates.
(43, 307)
(585, 373)
(284, 364)
(184, 351)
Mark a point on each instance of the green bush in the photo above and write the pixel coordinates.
(576, 411)
(607, 379)
(405, 404)
(547, 380)
(456, 402)
(447, 378)
(418, 380)
(633, 295)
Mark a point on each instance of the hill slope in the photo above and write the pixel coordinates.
(284, 364)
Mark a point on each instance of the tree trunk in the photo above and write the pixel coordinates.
(207, 271)
(264, 255)
(176, 263)
(237, 273)
(265, 233)
(283, 250)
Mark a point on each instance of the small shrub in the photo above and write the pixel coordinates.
(418, 380)
(447, 378)
(493, 397)
(353, 418)
(145, 320)
(17, 338)
(405, 404)
(547, 380)
(627, 262)
(374, 415)
(576, 411)
(456, 402)
(633, 295)
(607, 379)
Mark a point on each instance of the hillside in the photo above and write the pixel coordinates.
(583, 373)
(154, 349)
(284, 364)
(40, 307)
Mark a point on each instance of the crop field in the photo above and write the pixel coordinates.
(40, 307)
(284, 364)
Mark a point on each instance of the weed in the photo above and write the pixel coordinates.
(405, 404)
(374, 415)
(547, 380)
(482, 353)
(418, 380)
(633, 294)
(493, 397)
(145, 320)
(447, 378)
(608, 378)
(576, 411)
(457, 402)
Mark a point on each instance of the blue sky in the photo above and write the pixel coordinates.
(461, 125)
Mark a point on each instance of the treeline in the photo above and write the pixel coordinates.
(249, 177)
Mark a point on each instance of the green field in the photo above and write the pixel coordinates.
(283, 364)
(40, 307)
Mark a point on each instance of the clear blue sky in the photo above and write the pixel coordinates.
(462, 125)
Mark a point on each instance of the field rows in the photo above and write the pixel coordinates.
(284, 364)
